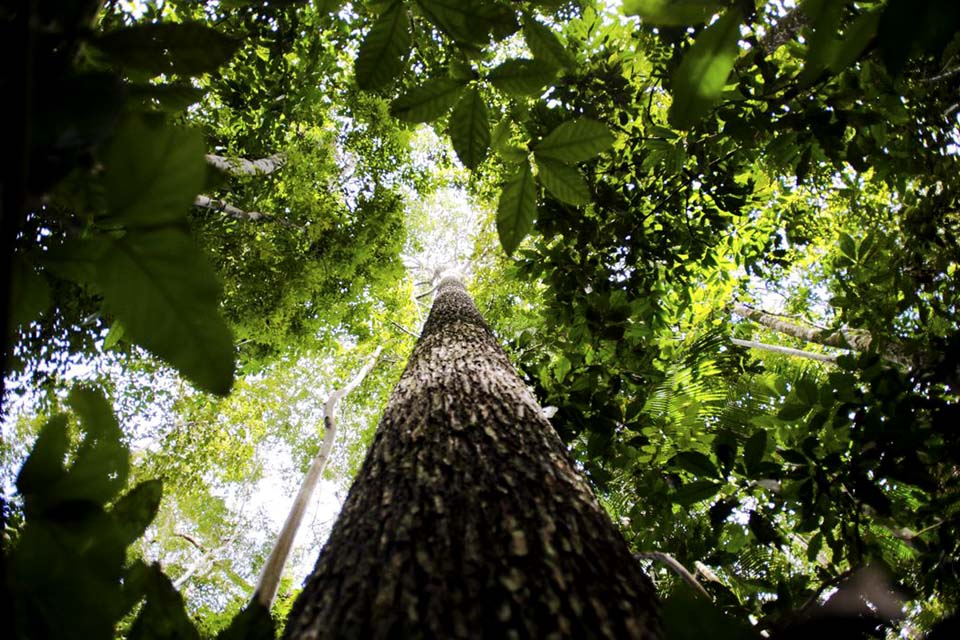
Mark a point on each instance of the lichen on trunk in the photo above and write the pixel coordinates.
(468, 518)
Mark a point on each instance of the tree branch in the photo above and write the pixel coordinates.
(678, 568)
(787, 351)
(228, 210)
(242, 167)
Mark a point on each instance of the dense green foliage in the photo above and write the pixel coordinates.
(646, 179)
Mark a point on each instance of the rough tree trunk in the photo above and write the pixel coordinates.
(467, 518)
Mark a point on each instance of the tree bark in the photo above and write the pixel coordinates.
(841, 338)
(786, 351)
(468, 518)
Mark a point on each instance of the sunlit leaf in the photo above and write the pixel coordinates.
(152, 174)
(544, 44)
(699, 80)
(563, 181)
(575, 141)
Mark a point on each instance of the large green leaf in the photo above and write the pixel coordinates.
(517, 208)
(100, 468)
(575, 141)
(188, 48)
(468, 21)
(695, 491)
(699, 80)
(152, 174)
(522, 77)
(428, 101)
(544, 44)
(563, 181)
(136, 509)
(384, 48)
(44, 466)
(163, 615)
(470, 129)
(159, 284)
(672, 13)
(697, 463)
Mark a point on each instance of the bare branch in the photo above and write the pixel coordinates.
(242, 167)
(678, 568)
(787, 351)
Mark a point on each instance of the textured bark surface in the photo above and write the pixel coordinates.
(467, 518)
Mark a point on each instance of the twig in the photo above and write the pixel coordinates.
(678, 568)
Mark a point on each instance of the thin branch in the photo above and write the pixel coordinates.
(230, 211)
(266, 589)
(189, 538)
(404, 329)
(787, 351)
(678, 568)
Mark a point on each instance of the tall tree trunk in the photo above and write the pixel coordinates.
(467, 518)
(242, 167)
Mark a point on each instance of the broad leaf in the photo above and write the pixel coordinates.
(44, 466)
(575, 141)
(172, 97)
(517, 208)
(470, 129)
(163, 615)
(100, 468)
(699, 80)
(696, 463)
(754, 450)
(136, 509)
(544, 44)
(384, 49)
(252, 623)
(522, 77)
(672, 13)
(160, 286)
(695, 491)
(187, 48)
(563, 181)
(428, 101)
(689, 616)
(151, 174)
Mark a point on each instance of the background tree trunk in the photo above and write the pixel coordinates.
(467, 518)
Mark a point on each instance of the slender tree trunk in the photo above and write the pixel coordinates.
(467, 518)
(786, 351)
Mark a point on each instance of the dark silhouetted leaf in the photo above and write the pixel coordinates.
(384, 49)
(694, 492)
(428, 101)
(521, 77)
(470, 129)
(188, 48)
(135, 510)
(517, 208)
(696, 463)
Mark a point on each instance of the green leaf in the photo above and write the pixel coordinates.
(252, 623)
(855, 40)
(466, 21)
(160, 286)
(163, 615)
(696, 463)
(672, 13)
(699, 80)
(689, 616)
(561, 368)
(100, 468)
(807, 391)
(44, 466)
(697, 491)
(517, 208)
(136, 509)
(754, 450)
(563, 181)
(522, 77)
(171, 97)
(152, 175)
(470, 129)
(544, 44)
(575, 141)
(384, 49)
(113, 336)
(428, 101)
(791, 411)
(188, 48)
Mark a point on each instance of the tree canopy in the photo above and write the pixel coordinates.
(718, 238)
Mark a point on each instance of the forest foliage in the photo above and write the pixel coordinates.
(665, 194)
